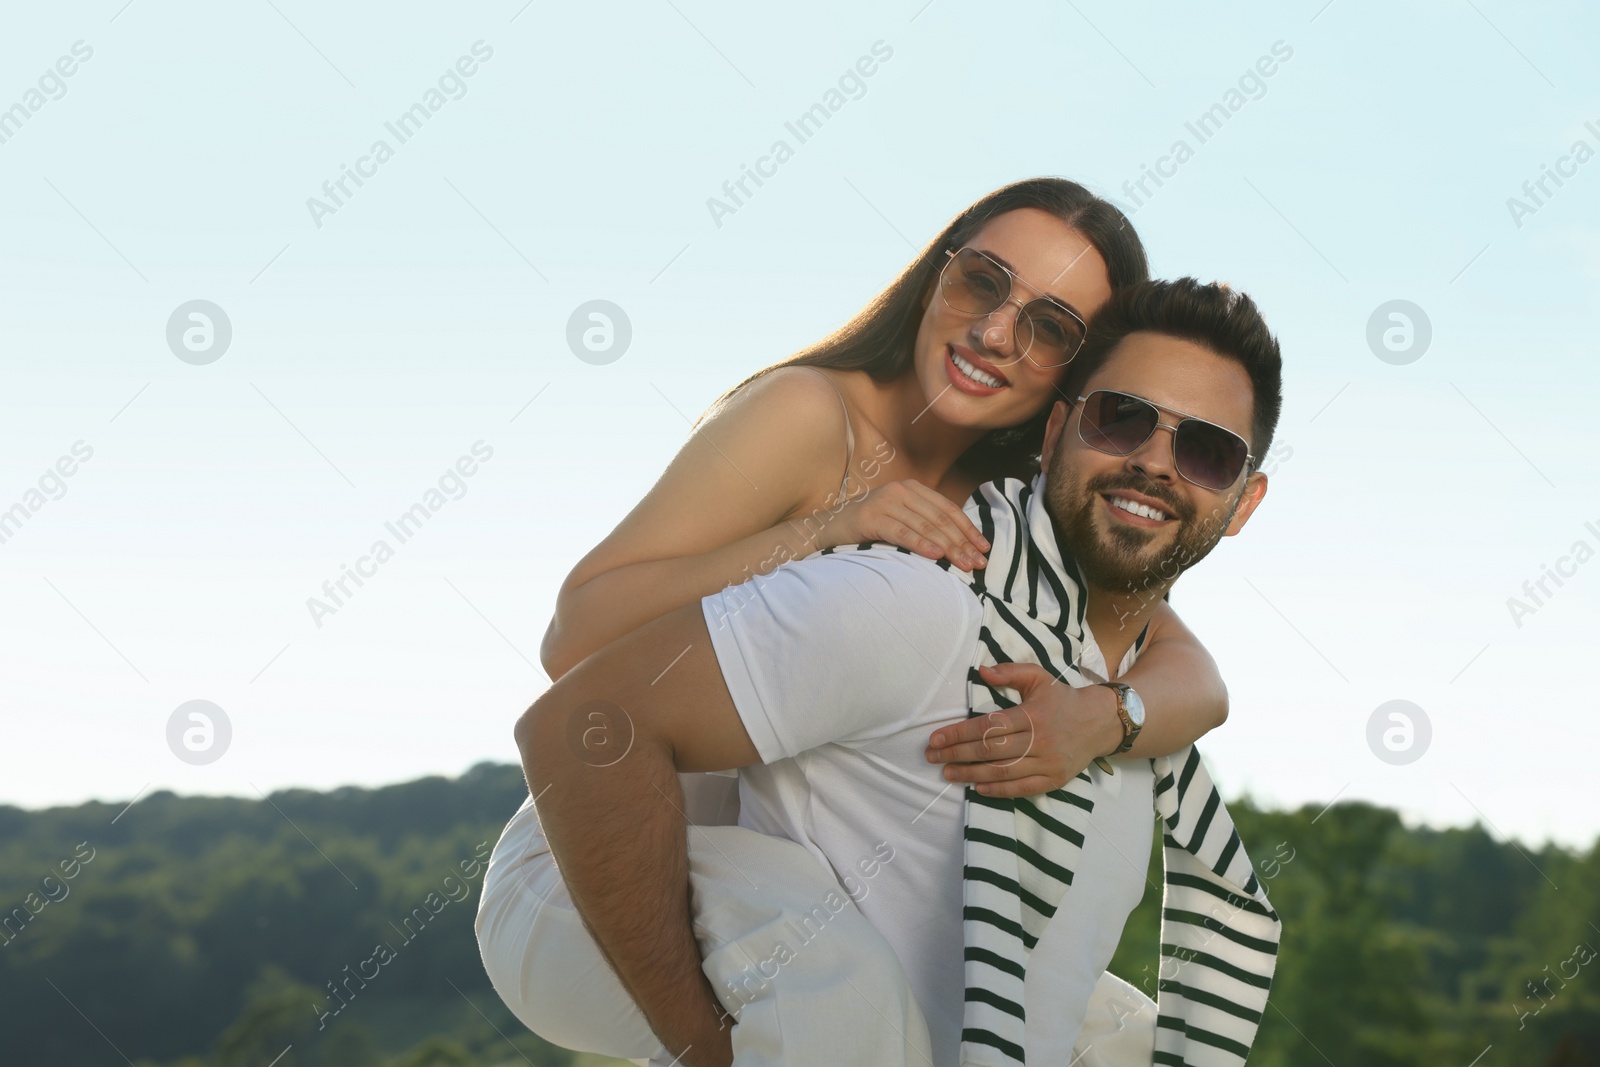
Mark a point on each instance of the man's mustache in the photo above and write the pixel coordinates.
(1174, 504)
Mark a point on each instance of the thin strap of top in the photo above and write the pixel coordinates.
(849, 434)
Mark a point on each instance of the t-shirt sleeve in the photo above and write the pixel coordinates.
(842, 647)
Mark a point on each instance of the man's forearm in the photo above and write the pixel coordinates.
(614, 821)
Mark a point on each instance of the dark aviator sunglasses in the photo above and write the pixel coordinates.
(1204, 453)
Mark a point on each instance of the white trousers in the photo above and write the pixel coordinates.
(807, 978)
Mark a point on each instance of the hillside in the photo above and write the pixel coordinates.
(208, 932)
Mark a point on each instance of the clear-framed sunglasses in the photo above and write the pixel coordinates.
(1048, 332)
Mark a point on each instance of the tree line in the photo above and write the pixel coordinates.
(335, 929)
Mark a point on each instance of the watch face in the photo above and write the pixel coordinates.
(1133, 705)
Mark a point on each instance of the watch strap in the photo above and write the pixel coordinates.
(1130, 731)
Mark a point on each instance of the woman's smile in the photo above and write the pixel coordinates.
(971, 373)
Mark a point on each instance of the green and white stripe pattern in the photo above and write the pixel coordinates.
(1219, 934)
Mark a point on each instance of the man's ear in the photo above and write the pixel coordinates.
(1059, 414)
(1255, 487)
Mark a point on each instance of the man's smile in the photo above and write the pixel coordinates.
(1136, 510)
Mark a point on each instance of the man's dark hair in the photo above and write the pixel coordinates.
(1211, 315)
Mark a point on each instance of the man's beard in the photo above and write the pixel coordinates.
(1120, 558)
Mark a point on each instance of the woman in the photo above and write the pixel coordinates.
(879, 432)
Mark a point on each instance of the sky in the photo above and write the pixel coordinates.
(183, 478)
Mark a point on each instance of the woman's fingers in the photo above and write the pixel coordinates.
(954, 515)
(1007, 747)
(975, 773)
(1020, 778)
(944, 521)
(1022, 787)
(1023, 677)
(1032, 748)
(932, 517)
(898, 524)
(897, 532)
(998, 737)
(918, 518)
(1000, 771)
(996, 723)
(1025, 777)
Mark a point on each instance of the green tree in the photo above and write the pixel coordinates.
(349, 1044)
(276, 1018)
(436, 1052)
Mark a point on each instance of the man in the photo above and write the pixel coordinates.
(822, 688)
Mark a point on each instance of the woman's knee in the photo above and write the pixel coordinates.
(546, 967)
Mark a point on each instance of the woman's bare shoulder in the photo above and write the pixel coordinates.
(771, 449)
(787, 423)
(796, 407)
(809, 388)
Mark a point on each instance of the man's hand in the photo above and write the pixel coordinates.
(1039, 745)
(601, 750)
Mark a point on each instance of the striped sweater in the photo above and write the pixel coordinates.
(1219, 933)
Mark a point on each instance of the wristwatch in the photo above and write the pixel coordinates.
(1130, 709)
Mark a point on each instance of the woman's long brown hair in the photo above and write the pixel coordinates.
(880, 339)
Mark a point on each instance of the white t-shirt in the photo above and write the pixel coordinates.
(841, 666)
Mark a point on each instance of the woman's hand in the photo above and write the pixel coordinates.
(1039, 745)
(915, 517)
